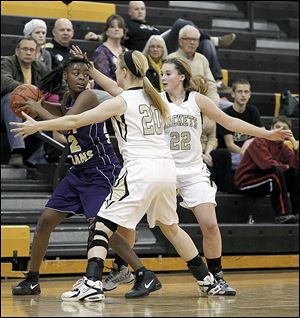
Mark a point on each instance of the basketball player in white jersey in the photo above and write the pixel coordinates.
(183, 131)
(146, 184)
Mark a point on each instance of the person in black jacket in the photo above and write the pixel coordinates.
(59, 47)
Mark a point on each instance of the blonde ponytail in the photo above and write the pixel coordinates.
(141, 66)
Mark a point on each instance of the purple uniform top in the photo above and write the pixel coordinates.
(95, 170)
(90, 145)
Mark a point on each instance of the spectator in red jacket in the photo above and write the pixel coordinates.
(272, 167)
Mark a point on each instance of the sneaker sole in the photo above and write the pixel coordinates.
(156, 287)
(227, 293)
(16, 292)
(91, 298)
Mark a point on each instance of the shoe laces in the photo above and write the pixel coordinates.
(78, 283)
(112, 274)
(220, 279)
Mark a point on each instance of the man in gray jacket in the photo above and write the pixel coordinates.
(21, 68)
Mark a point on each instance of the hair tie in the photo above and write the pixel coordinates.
(130, 64)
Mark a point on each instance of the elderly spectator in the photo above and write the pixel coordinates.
(139, 31)
(189, 38)
(156, 51)
(60, 45)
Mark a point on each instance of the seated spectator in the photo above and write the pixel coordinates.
(21, 68)
(156, 51)
(188, 42)
(106, 54)
(139, 31)
(37, 29)
(271, 167)
(60, 45)
(235, 142)
(218, 161)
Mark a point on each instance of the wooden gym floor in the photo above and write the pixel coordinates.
(271, 293)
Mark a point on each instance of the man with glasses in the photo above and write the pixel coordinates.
(21, 68)
(188, 41)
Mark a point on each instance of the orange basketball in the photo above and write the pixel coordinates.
(20, 93)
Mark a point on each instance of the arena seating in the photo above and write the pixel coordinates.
(266, 56)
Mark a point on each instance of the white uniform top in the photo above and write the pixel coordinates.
(183, 130)
(144, 185)
(139, 130)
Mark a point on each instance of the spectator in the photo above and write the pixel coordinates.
(139, 31)
(21, 68)
(271, 167)
(106, 54)
(59, 47)
(236, 142)
(156, 51)
(188, 42)
(218, 161)
(37, 29)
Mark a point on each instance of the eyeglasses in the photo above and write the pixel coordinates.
(190, 39)
(25, 49)
(152, 47)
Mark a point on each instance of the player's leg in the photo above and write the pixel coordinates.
(186, 248)
(46, 224)
(212, 243)
(120, 273)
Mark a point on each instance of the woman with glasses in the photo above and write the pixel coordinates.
(156, 51)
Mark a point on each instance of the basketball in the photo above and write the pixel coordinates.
(20, 94)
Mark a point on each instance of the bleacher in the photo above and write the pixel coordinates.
(266, 52)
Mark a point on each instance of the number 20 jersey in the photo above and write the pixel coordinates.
(183, 130)
(140, 130)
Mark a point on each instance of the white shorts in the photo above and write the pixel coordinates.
(143, 186)
(194, 185)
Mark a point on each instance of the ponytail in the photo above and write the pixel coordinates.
(137, 64)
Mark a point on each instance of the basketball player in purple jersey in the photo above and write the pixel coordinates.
(95, 165)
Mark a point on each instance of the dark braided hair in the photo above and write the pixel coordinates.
(52, 81)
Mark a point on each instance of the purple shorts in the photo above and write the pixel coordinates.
(82, 191)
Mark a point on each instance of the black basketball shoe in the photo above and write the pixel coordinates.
(145, 283)
(27, 287)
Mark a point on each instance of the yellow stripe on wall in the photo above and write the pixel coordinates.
(90, 11)
(277, 104)
(225, 77)
(76, 10)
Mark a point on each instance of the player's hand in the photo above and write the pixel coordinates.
(76, 51)
(26, 128)
(279, 134)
